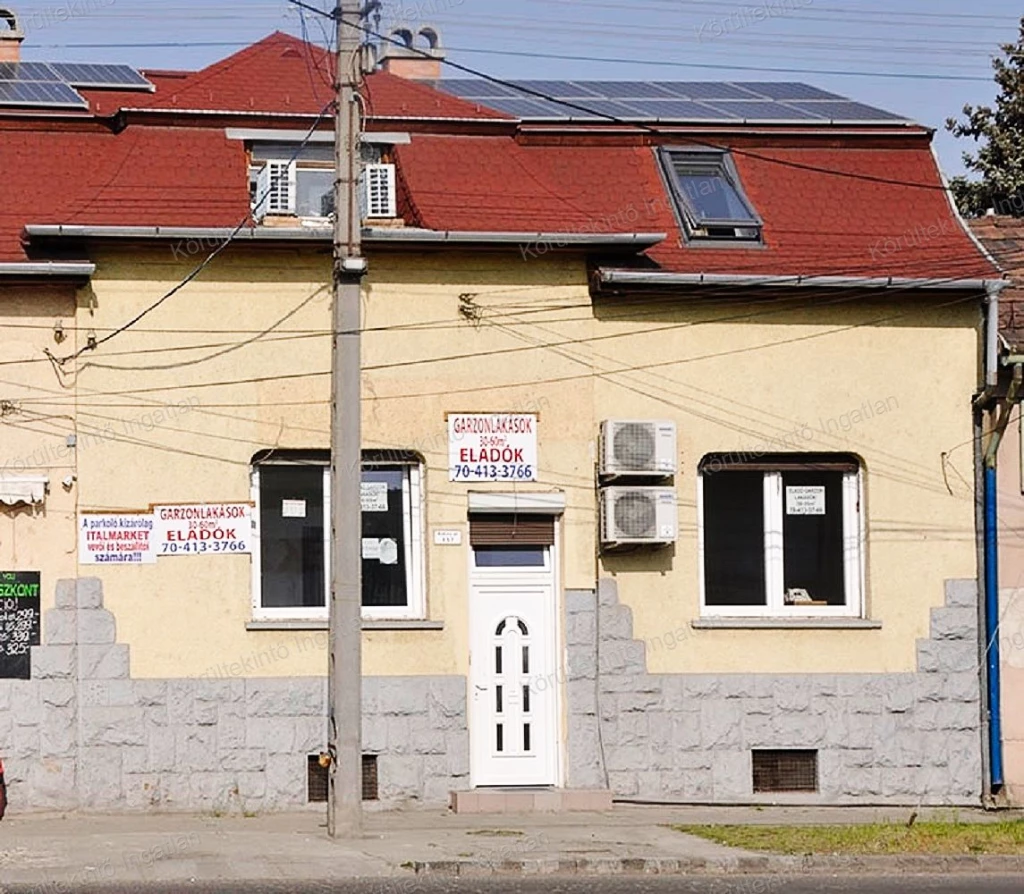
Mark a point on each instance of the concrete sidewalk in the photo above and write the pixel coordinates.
(58, 852)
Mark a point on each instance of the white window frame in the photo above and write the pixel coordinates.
(415, 553)
(775, 606)
(295, 168)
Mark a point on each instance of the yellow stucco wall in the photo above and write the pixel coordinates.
(700, 364)
(35, 421)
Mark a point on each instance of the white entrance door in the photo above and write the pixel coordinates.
(513, 662)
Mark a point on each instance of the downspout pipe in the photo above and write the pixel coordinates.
(991, 533)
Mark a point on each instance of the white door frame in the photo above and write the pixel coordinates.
(553, 577)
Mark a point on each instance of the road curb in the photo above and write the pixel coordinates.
(764, 864)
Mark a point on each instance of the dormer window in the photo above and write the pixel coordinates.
(282, 183)
(709, 198)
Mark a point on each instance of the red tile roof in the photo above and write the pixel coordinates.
(282, 74)
(868, 212)
(151, 176)
(1003, 237)
(874, 209)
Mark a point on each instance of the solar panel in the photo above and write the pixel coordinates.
(475, 88)
(84, 74)
(558, 89)
(844, 111)
(600, 108)
(704, 90)
(780, 101)
(787, 90)
(627, 90)
(36, 93)
(675, 110)
(755, 110)
(28, 71)
(528, 108)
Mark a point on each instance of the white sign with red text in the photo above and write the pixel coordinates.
(492, 447)
(201, 529)
(109, 538)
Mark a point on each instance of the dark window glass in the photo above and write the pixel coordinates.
(713, 197)
(509, 556)
(292, 547)
(384, 578)
(734, 538)
(812, 535)
(314, 192)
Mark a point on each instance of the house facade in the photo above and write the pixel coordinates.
(653, 505)
(1003, 238)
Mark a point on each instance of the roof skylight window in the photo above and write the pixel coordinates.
(709, 197)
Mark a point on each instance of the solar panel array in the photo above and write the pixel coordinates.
(52, 85)
(736, 102)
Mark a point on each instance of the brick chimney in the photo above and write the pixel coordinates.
(406, 62)
(11, 36)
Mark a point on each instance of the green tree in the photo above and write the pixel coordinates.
(1000, 131)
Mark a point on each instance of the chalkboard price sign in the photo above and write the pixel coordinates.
(20, 615)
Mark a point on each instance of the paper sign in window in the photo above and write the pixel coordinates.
(388, 552)
(806, 500)
(293, 509)
(375, 496)
(371, 549)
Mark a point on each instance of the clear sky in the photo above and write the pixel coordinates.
(921, 58)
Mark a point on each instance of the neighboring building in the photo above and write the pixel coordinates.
(1003, 237)
(763, 580)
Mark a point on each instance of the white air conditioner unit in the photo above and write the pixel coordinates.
(638, 515)
(638, 448)
(377, 195)
(275, 190)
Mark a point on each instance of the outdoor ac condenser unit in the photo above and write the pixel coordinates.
(378, 195)
(638, 515)
(638, 448)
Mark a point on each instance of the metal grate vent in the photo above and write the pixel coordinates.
(317, 779)
(370, 790)
(785, 771)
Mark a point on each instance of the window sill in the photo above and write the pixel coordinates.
(786, 624)
(368, 624)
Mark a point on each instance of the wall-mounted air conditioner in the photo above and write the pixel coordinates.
(275, 190)
(638, 515)
(637, 448)
(378, 197)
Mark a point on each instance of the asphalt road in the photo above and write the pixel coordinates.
(747, 884)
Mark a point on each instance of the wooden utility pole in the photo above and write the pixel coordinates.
(344, 802)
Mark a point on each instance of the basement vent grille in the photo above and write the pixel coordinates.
(316, 776)
(785, 771)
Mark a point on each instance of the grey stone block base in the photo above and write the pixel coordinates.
(81, 734)
(880, 738)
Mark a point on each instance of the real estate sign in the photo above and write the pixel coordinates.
(492, 447)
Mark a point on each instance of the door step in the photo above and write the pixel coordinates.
(527, 800)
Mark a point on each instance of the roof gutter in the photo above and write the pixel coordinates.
(657, 278)
(48, 269)
(538, 242)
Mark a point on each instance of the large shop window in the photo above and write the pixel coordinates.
(781, 536)
(291, 561)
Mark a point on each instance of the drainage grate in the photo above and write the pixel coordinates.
(785, 771)
(317, 776)
(316, 780)
(370, 778)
